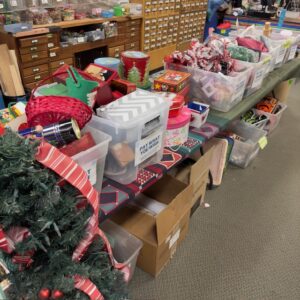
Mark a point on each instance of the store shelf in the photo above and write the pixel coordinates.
(87, 21)
(115, 195)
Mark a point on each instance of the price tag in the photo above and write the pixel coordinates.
(280, 56)
(258, 78)
(287, 44)
(263, 142)
(81, 39)
(13, 3)
(293, 52)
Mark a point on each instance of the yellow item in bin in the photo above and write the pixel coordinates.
(9, 114)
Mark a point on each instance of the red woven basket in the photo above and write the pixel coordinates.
(45, 110)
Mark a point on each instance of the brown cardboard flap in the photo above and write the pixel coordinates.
(164, 224)
(201, 166)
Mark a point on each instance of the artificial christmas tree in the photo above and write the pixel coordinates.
(49, 229)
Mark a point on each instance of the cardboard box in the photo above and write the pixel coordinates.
(171, 81)
(162, 233)
(195, 172)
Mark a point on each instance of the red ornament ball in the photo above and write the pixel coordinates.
(56, 294)
(44, 294)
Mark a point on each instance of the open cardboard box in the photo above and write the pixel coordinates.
(161, 233)
(195, 172)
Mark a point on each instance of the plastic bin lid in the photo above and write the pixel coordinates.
(133, 106)
(181, 120)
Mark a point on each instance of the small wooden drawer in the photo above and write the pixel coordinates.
(133, 45)
(54, 52)
(115, 51)
(133, 29)
(35, 70)
(33, 49)
(35, 78)
(33, 41)
(34, 56)
(134, 23)
(58, 63)
(133, 36)
(32, 85)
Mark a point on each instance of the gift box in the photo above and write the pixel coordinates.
(172, 81)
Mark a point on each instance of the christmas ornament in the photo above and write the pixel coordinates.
(44, 294)
(56, 294)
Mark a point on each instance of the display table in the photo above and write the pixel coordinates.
(114, 195)
(248, 21)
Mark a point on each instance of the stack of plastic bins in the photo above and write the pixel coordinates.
(273, 119)
(259, 71)
(93, 159)
(219, 91)
(125, 246)
(244, 152)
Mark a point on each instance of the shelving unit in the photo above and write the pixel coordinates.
(169, 25)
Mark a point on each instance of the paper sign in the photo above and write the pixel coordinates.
(263, 142)
(258, 78)
(280, 56)
(148, 146)
(91, 170)
(293, 52)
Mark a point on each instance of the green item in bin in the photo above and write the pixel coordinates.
(118, 11)
(54, 89)
(78, 87)
(244, 54)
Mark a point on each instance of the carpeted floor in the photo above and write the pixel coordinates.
(247, 245)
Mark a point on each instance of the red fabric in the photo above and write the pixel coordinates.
(251, 44)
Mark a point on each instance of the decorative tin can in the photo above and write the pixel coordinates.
(134, 67)
(178, 129)
(171, 81)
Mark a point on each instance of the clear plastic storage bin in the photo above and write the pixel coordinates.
(92, 160)
(137, 124)
(219, 91)
(259, 71)
(244, 152)
(273, 119)
(125, 246)
(15, 5)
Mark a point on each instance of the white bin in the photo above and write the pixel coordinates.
(219, 91)
(137, 123)
(92, 160)
(125, 246)
(273, 119)
(244, 152)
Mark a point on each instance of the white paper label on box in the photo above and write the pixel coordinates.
(280, 56)
(174, 238)
(148, 146)
(293, 52)
(14, 3)
(91, 170)
(258, 77)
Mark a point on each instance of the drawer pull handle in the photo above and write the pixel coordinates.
(50, 45)
(61, 63)
(33, 48)
(117, 55)
(35, 70)
(132, 44)
(34, 41)
(34, 56)
(133, 34)
(37, 77)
